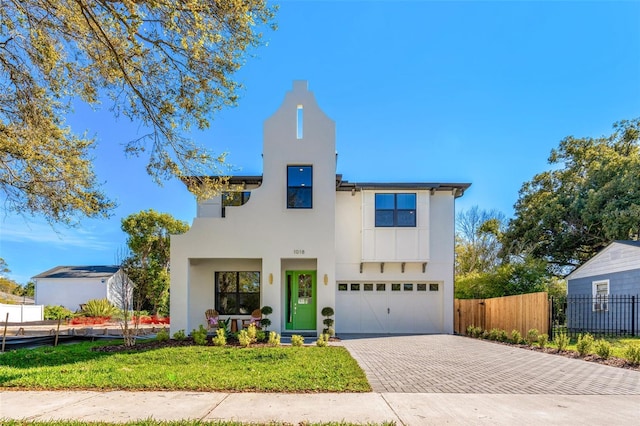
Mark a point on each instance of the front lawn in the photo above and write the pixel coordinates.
(201, 368)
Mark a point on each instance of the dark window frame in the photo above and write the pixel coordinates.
(236, 295)
(291, 190)
(397, 223)
(242, 198)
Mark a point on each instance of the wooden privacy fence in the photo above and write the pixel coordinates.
(521, 312)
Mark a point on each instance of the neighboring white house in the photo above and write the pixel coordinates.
(300, 238)
(71, 286)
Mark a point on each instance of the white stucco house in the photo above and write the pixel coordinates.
(300, 238)
(71, 286)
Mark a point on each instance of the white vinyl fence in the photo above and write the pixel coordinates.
(21, 313)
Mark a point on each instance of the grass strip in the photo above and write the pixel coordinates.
(201, 368)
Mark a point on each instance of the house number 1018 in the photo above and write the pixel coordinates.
(298, 251)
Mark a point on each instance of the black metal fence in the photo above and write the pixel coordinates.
(613, 315)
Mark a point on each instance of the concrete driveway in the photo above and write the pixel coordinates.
(456, 364)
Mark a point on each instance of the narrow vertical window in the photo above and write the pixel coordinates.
(299, 121)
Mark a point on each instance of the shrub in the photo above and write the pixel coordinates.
(99, 308)
(477, 332)
(493, 334)
(179, 335)
(562, 340)
(323, 340)
(516, 337)
(327, 312)
(200, 336)
(542, 340)
(265, 311)
(532, 336)
(297, 340)
(603, 348)
(584, 344)
(162, 335)
(221, 337)
(261, 336)
(56, 312)
(632, 353)
(470, 329)
(274, 339)
(252, 332)
(244, 339)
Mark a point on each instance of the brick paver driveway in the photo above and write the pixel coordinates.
(456, 364)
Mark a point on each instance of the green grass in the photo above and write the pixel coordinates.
(176, 423)
(202, 368)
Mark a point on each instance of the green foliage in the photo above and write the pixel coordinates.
(199, 336)
(561, 340)
(28, 290)
(323, 341)
(632, 353)
(266, 311)
(166, 66)
(99, 308)
(179, 335)
(543, 339)
(589, 198)
(532, 336)
(220, 338)
(57, 312)
(516, 336)
(584, 344)
(328, 311)
(602, 348)
(162, 335)
(274, 339)
(252, 332)
(525, 276)
(148, 239)
(297, 340)
(244, 339)
(476, 332)
(261, 336)
(477, 241)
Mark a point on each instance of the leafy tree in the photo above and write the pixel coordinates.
(508, 279)
(28, 290)
(478, 240)
(589, 198)
(167, 65)
(149, 242)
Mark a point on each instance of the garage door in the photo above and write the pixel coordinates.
(389, 307)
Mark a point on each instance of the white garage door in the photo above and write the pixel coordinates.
(389, 307)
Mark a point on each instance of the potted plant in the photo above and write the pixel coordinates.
(328, 321)
(265, 322)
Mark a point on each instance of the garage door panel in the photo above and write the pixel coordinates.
(389, 308)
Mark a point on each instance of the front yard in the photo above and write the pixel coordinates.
(201, 368)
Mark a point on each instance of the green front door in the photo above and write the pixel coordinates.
(301, 300)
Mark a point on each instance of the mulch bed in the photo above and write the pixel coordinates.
(611, 361)
(143, 345)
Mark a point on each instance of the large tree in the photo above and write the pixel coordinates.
(148, 240)
(167, 65)
(478, 240)
(590, 197)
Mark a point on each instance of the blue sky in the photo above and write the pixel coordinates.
(474, 92)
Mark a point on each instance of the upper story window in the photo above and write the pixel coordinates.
(299, 187)
(395, 210)
(234, 199)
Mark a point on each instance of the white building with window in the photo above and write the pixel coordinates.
(300, 238)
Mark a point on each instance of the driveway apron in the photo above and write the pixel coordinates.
(456, 364)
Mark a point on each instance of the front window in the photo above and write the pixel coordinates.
(299, 187)
(395, 210)
(234, 199)
(237, 293)
(600, 295)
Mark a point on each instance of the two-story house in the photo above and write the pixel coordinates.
(300, 238)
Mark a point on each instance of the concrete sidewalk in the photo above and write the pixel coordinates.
(403, 408)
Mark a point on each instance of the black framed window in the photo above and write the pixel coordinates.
(237, 293)
(395, 210)
(299, 187)
(234, 199)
